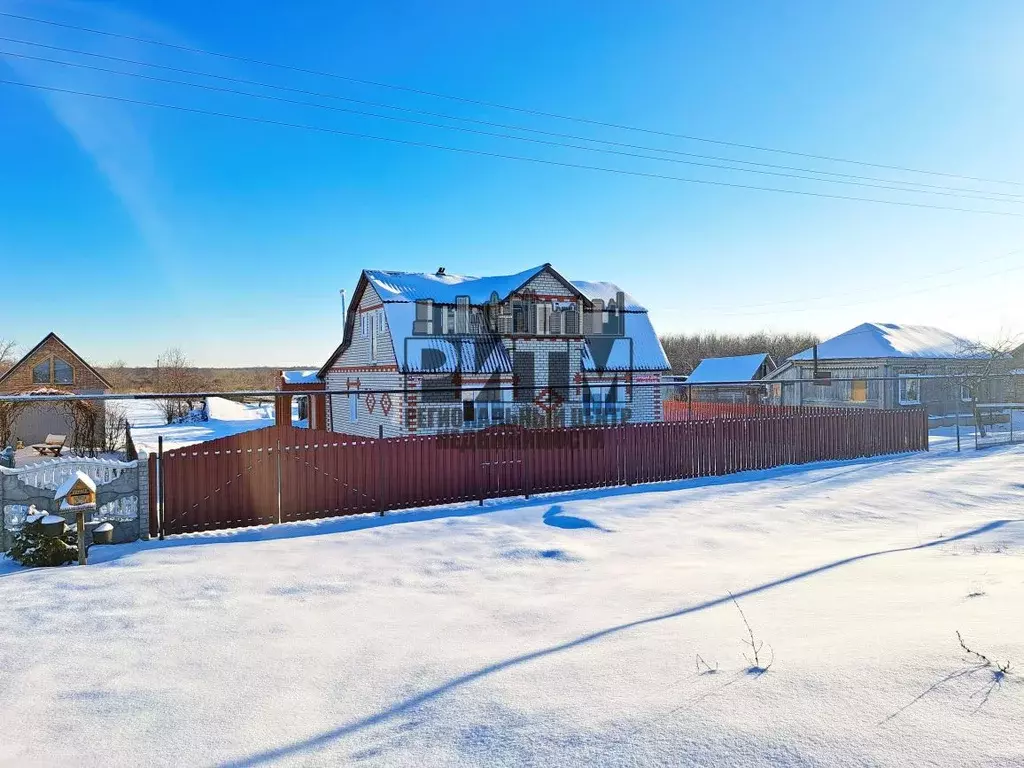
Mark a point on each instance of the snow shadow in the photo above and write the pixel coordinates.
(403, 707)
(556, 517)
(329, 525)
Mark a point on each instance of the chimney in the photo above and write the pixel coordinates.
(342, 292)
(440, 272)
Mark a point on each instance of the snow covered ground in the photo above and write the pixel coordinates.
(227, 417)
(559, 631)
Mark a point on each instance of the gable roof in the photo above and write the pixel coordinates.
(719, 370)
(53, 336)
(399, 292)
(891, 340)
(445, 289)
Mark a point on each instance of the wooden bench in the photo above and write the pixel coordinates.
(53, 445)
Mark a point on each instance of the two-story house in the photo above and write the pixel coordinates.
(432, 353)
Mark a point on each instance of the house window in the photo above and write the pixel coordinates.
(910, 390)
(63, 373)
(41, 372)
(53, 370)
(353, 407)
(373, 336)
(424, 323)
(966, 393)
(518, 317)
(859, 391)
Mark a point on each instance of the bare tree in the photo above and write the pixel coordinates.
(175, 373)
(117, 374)
(981, 370)
(7, 354)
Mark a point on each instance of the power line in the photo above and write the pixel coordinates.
(481, 102)
(512, 137)
(491, 123)
(51, 398)
(901, 294)
(804, 299)
(522, 158)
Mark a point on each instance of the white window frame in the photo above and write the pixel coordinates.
(362, 324)
(353, 407)
(965, 393)
(373, 337)
(901, 393)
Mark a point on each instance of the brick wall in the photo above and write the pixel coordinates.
(85, 381)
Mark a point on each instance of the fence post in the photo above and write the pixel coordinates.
(719, 447)
(479, 466)
(524, 467)
(279, 481)
(160, 485)
(381, 485)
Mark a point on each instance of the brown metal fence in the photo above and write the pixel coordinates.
(281, 474)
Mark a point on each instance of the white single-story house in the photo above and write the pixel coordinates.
(859, 357)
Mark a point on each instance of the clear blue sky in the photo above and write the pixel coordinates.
(128, 229)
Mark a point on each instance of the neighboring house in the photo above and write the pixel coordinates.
(1016, 384)
(51, 365)
(461, 352)
(906, 353)
(721, 371)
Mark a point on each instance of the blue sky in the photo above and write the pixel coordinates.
(232, 239)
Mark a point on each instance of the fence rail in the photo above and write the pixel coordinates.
(281, 473)
(696, 410)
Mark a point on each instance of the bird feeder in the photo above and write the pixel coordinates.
(78, 491)
(78, 494)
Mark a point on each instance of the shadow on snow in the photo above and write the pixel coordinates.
(385, 715)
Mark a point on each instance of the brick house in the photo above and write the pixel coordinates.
(459, 352)
(893, 366)
(52, 365)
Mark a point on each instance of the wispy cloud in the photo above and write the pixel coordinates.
(114, 136)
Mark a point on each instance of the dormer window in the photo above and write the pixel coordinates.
(53, 370)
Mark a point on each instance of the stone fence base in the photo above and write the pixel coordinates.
(122, 495)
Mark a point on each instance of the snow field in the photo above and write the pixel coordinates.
(562, 630)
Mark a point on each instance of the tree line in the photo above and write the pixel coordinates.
(685, 351)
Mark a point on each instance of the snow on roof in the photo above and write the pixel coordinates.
(875, 340)
(67, 485)
(606, 292)
(445, 289)
(639, 349)
(300, 377)
(716, 370)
